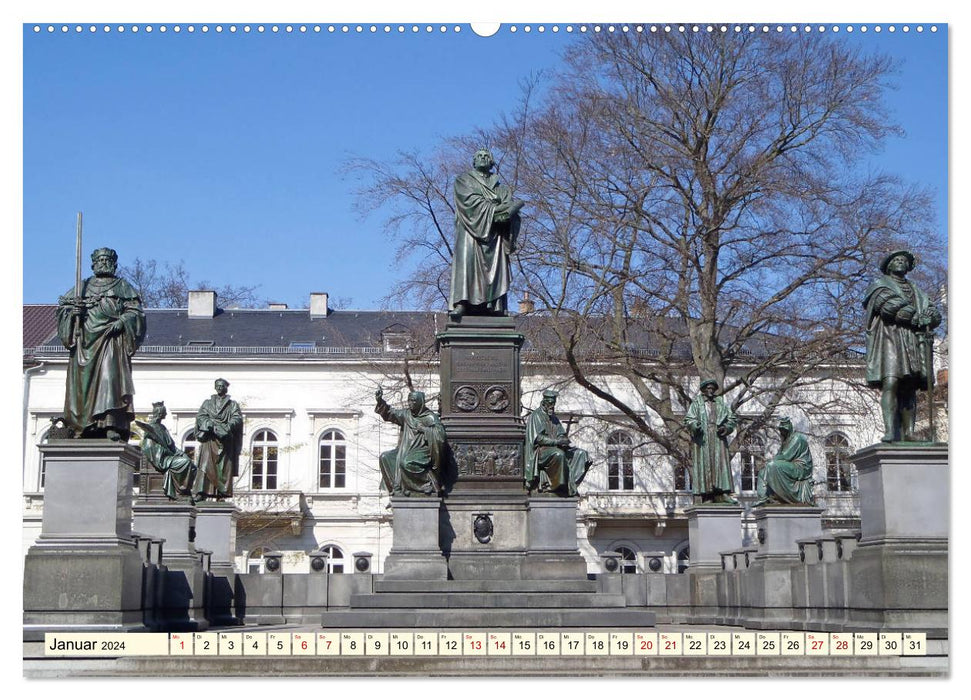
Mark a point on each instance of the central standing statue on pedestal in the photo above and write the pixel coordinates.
(711, 421)
(415, 466)
(486, 227)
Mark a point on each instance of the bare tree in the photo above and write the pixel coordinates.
(701, 205)
(164, 285)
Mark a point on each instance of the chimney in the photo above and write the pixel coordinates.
(202, 303)
(318, 305)
(277, 306)
(526, 304)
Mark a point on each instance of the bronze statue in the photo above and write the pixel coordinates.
(788, 477)
(102, 324)
(414, 467)
(486, 227)
(552, 465)
(710, 422)
(899, 344)
(165, 456)
(219, 432)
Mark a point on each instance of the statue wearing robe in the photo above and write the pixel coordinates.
(102, 329)
(414, 467)
(552, 464)
(166, 457)
(219, 432)
(710, 422)
(486, 227)
(788, 477)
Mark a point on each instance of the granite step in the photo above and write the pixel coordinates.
(536, 618)
(487, 586)
(486, 600)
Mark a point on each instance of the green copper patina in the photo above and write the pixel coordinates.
(102, 324)
(414, 467)
(165, 456)
(219, 432)
(486, 227)
(552, 465)
(899, 344)
(788, 477)
(710, 422)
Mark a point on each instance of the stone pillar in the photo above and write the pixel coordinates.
(899, 569)
(712, 529)
(553, 552)
(415, 551)
(183, 607)
(216, 532)
(84, 573)
(780, 527)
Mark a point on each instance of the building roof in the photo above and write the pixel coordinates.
(40, 324)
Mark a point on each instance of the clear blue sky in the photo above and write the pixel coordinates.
(223, 150)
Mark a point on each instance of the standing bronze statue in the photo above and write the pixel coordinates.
(165, 456)
(486, 227)
(788, 477)
(710, 421)
(552, 465)
(102, 324)
(414, 467)
(899, 344)
(219, 432)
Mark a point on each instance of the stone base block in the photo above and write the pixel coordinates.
(183, 605)
(549, 565)
(780, 527)
(429, 566)
(98, 589)
(712, 529)
(463, 566)
(485, 536)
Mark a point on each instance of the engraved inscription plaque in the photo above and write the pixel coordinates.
(481, 364)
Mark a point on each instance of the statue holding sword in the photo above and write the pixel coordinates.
(102, 324)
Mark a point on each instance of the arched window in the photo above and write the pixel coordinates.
(335, 559)
(189, 444)
(751, 456)
(628, 560)
(682, 477)
(684, 559)
(43, 466)
(264, 460)
(620, 462)
(333, 460)
(839, 476)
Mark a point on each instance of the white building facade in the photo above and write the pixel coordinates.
(308, 477)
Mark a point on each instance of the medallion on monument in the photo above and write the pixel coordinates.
(465, 399)
(496, 399)
(497, 459)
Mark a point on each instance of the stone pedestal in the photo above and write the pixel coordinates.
(84, 573)
(899, 569)
(779, 528)
(415, 550)
(183, 602)
(484, 535)
(216, 532)
(712, 529)
(553, 552)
